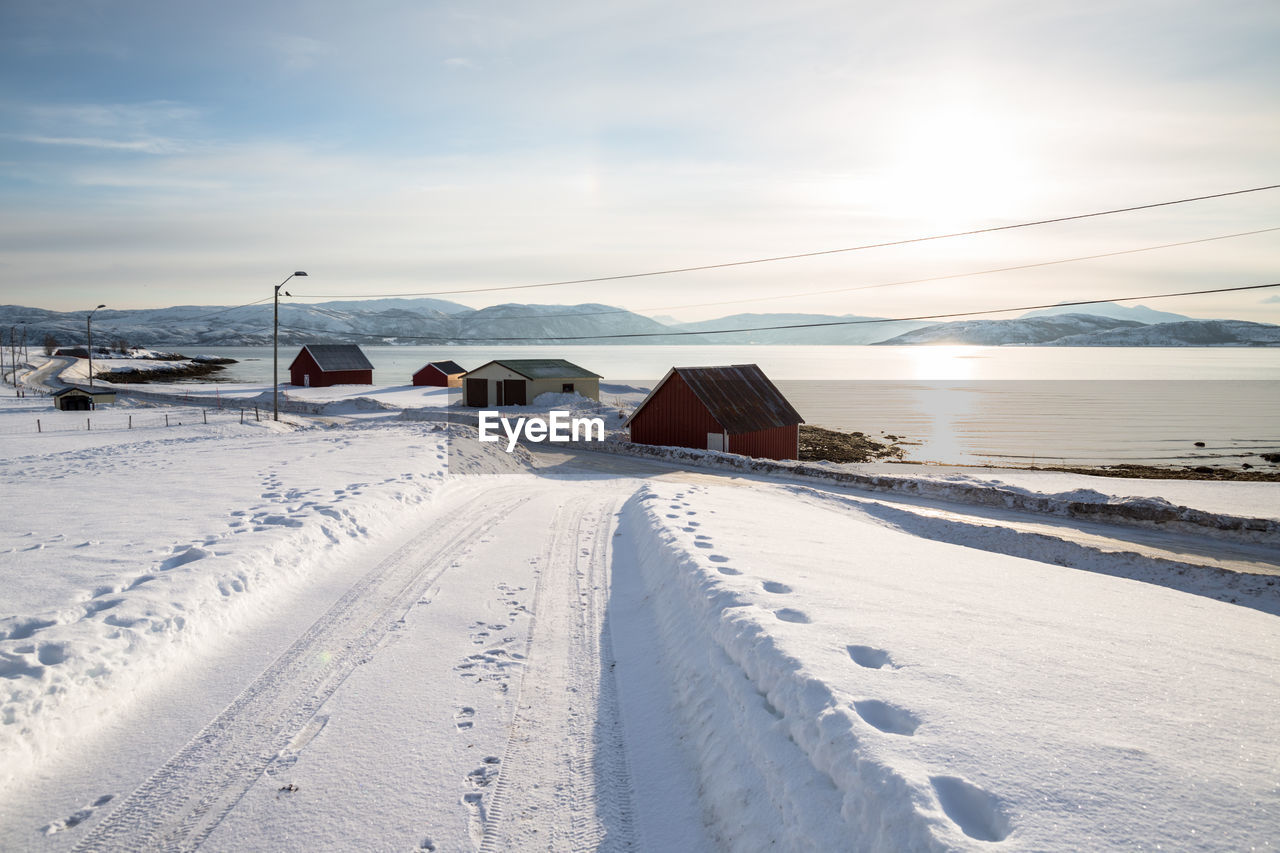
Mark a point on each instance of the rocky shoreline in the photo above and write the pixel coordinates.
(186, 368)
(818, 444)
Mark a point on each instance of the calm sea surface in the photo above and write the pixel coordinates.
(1054, 405)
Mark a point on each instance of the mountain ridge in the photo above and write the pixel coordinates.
(393, 321)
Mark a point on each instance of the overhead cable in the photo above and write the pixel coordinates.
(723, 265)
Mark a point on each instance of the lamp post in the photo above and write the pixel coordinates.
(275, 359)
(88, 346)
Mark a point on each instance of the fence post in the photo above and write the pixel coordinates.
(87, 424)
(242, 416)
(130, 421)
(205, 412)
(255, 414)
(166, 420)
(38, 429)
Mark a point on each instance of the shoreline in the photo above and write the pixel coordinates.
(197, 370)
(819, 443)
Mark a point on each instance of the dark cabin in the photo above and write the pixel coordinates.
(72, 399)
(442, 374)
(322, 365)
(735, 409)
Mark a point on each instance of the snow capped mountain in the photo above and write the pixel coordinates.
(377, 321)
(1023, 330)
(1137, 313)
(856, 332)
(1192, 333)
(437, 321)
(560, 321)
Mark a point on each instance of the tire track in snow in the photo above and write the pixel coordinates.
(182, 802)
(565, 783)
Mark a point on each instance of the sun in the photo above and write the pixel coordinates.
(954, 166)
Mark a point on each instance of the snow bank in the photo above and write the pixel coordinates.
(848, 686)
(1083, 503)
(167, 552)
(778, 755)
(1233, 497)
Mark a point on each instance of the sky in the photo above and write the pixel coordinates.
(178, 153)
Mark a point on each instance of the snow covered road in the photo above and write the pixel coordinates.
(616, 654)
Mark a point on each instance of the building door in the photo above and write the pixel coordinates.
(715, 441)
(512, 392)
(475, 393)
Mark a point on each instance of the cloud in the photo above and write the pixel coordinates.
(146, 146)
(150, 127)
(126, 116)
(296, 52)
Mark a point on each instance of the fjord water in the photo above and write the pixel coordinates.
(1015, 405)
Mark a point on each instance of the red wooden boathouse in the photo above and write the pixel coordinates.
(444, 374)
(734, 409)
(322, 365)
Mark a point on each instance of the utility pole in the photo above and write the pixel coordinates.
(275, 346)
(88, 347)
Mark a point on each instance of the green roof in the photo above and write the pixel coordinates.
(545, 368)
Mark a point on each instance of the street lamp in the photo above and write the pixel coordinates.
(275, 360)
(88, 333)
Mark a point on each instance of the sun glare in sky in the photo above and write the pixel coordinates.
(445, 146)
(955, 167)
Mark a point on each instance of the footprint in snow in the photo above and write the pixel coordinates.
(484, 775)
(789, 614)
(870, 657)
(476, 817)
(77, 817)
(889, 719)
(190, 555)
(776, 588)
(464, 718)
(977, 812)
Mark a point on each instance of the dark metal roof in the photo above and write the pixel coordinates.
(338, 356)
(448, 368)
(92, 392)
(739, 396)
(545, 368)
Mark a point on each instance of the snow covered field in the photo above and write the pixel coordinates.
(376, 636)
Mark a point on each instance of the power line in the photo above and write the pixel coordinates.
(800, 255)
(863, 322)
(888, 283)
(220, 311)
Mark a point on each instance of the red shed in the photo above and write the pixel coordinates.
(735, 409)
(445, 374)
(322, 365)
